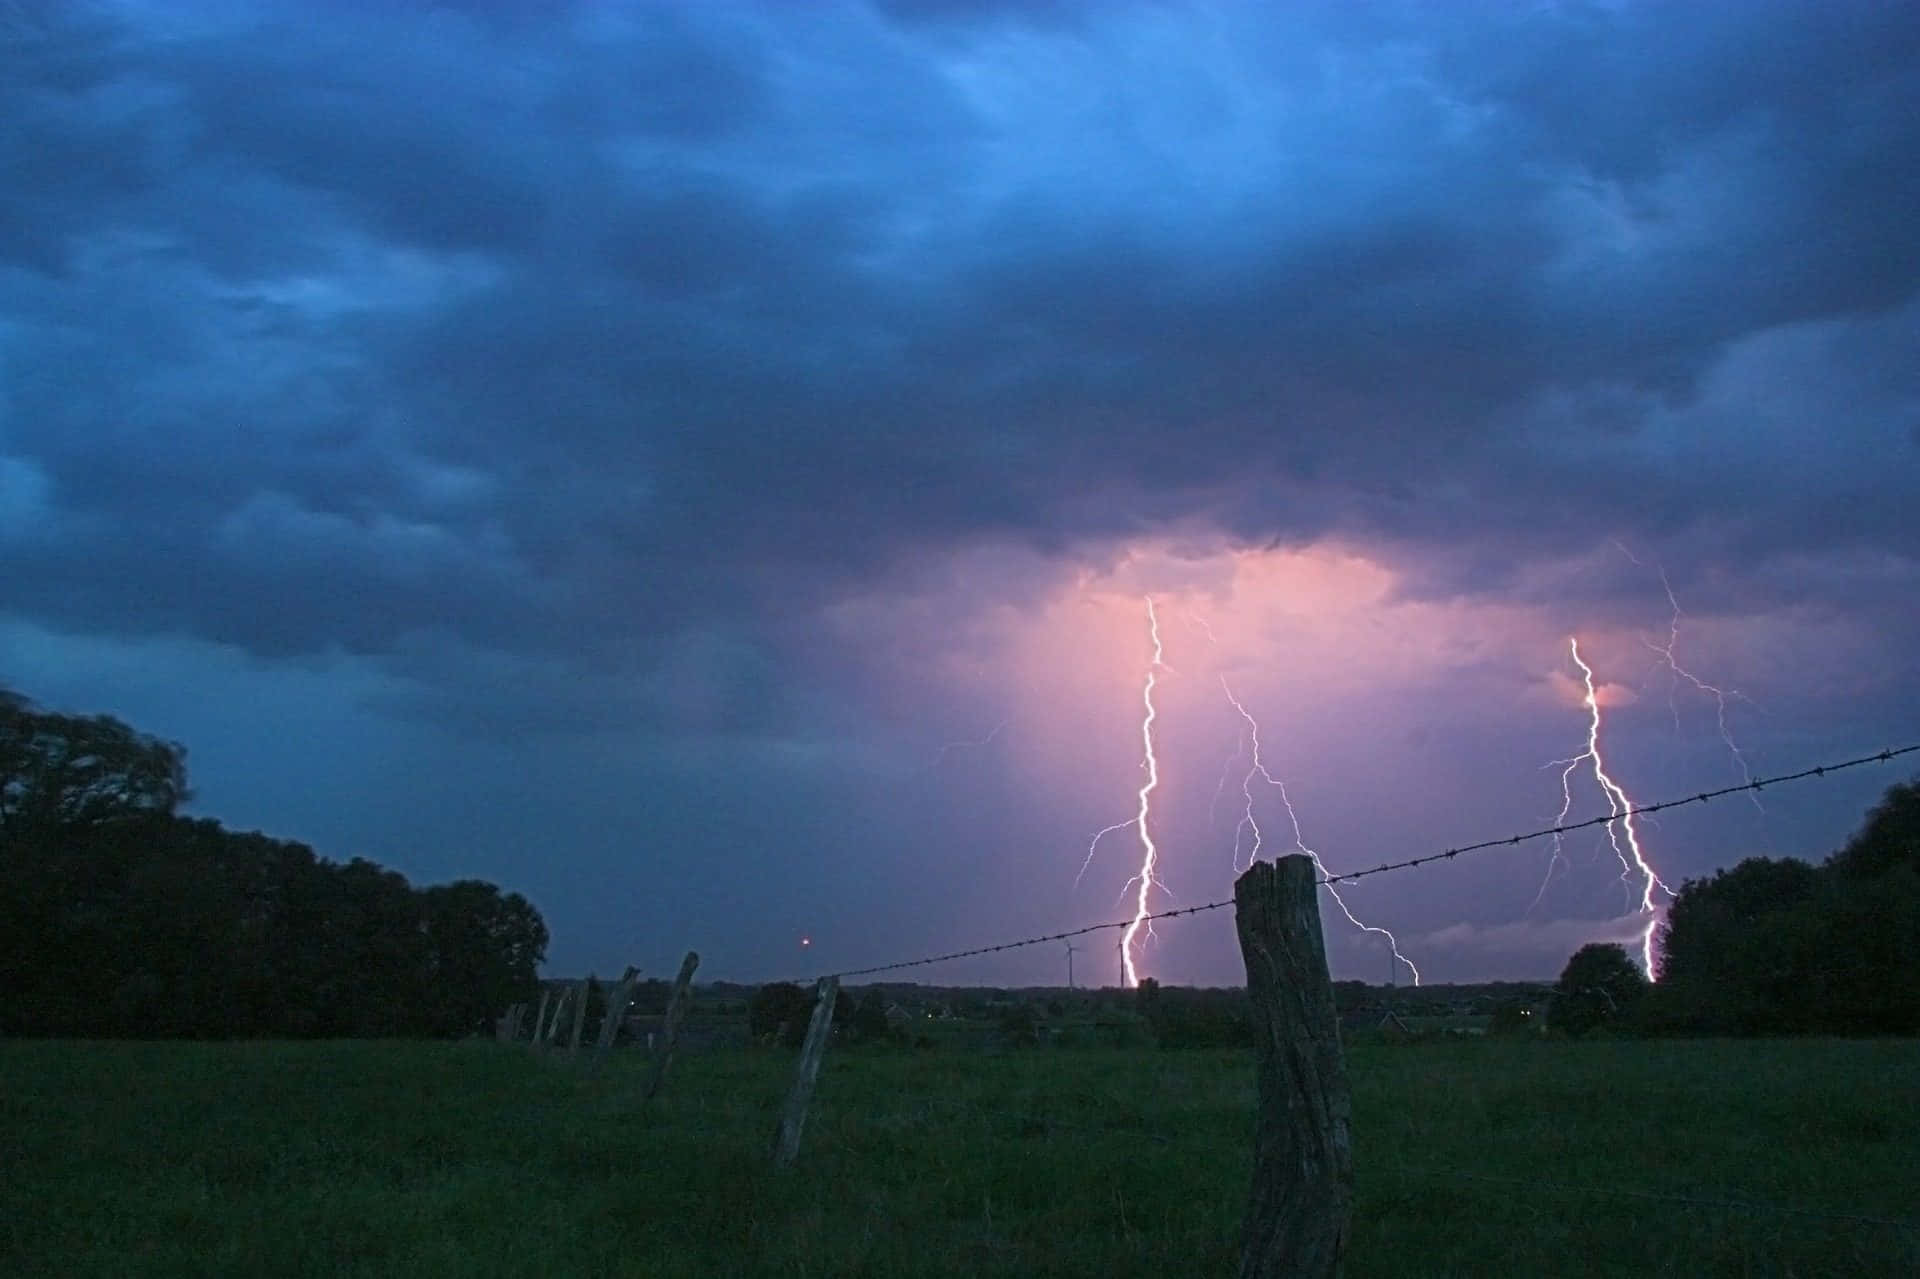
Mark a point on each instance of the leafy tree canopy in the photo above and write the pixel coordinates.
(1599, 985)
(1889, 838)
(66, 770)
(118, 917)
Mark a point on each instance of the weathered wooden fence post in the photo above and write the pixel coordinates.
(509, 1025)
(786, 1138)
(670, 1028)
(559, 1011)
(540, 1018)
(579, 1015)
(617, 1001)
(1302, 1201)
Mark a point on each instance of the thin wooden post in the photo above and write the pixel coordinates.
(670, 1029)
(508, 1028)
(617, 1002)
(579, 1015)
(1302, 1201)
(540, 1018)
(786, 1138)
(559, 1010)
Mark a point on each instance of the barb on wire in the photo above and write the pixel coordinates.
(1632, 810)
(1820, 770)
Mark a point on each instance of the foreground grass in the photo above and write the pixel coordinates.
(475, 1159)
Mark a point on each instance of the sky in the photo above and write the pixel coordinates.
(706, 466)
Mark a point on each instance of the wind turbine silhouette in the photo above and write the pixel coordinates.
(1071, 948)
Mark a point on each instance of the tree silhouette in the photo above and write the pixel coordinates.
(118, 917)
(1888, 840)
(1600, 985)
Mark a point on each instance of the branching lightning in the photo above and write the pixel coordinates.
(1719, 695)
(1633, 860)
(1149, 855)
(1143, 881)
(969, 744)
(1249, 823)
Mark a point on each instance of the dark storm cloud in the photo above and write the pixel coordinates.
(454, 330)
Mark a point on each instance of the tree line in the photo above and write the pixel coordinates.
(1776, 946)
(120, 917)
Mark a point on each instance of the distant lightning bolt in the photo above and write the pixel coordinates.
(1632, 857)
(1719, 695)
(975, 743)
(1249, 823)
(1201, 624)
(1149, 855)
(1219, 789)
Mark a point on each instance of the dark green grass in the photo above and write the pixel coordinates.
(1473, 1158)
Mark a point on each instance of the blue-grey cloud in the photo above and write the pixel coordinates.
(719, 307)
(570, 363)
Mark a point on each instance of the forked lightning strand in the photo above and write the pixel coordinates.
(1249, 823)
(969, 744)
(1719, 695)
(1632, 858)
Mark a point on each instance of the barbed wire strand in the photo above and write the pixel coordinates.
(1635, 810)
(1692, 1201)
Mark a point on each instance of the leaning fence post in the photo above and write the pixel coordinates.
(617, 1002)
(670, 1028)
(508, 1028)
(1302, 1200)
(540, 1018)
(786, 1138)
(579, 1015)
(559, 1011)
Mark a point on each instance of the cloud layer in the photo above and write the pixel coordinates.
(596, 369)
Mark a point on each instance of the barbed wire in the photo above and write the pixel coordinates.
(1691, 1201)
(1635, 810)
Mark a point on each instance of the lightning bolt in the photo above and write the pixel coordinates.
(1149, 855)
(1248, 822)
(1720, 695)
(973, 744)
(1632, 857)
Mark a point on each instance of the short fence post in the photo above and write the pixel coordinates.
(786, 1138)
(559, 1011)
(617, 1002)
(540, 1018)
(579, 1016)
(670, 1029)
(509, 1025)
(1302, 1201)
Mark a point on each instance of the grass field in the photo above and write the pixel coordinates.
(1472, 1158)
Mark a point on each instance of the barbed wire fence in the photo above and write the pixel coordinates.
(1301, 1202)
(1300, 1206)
(1758, 784)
